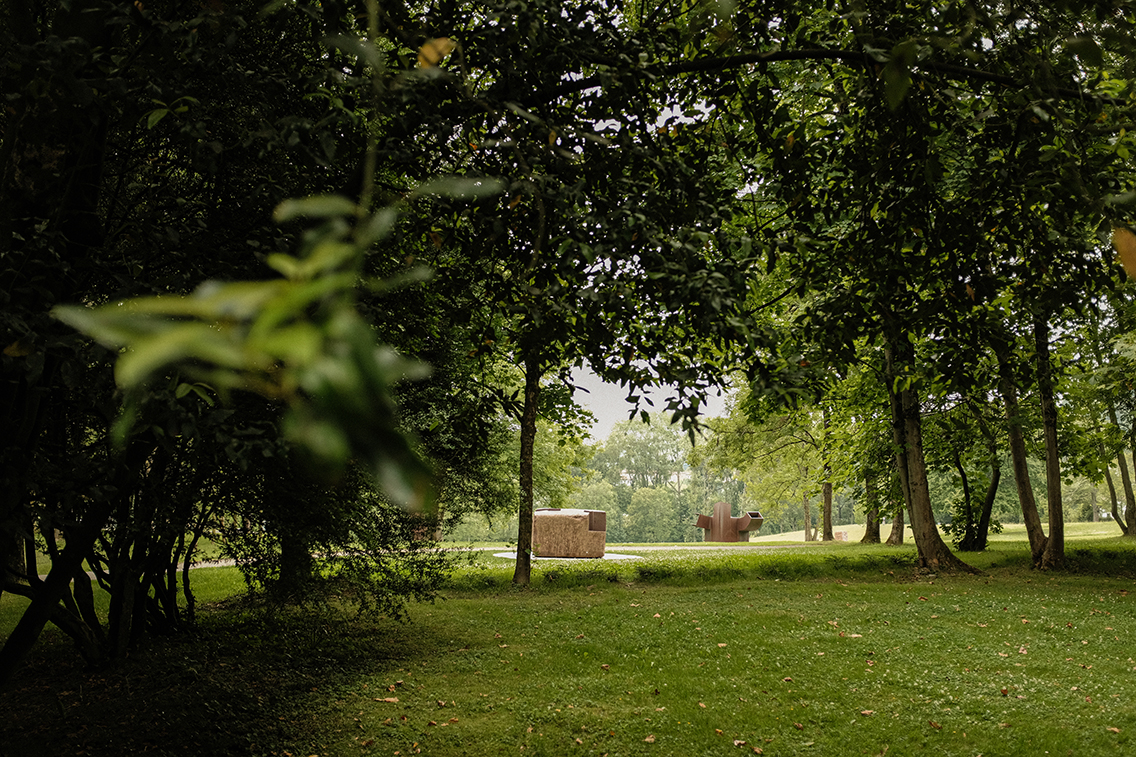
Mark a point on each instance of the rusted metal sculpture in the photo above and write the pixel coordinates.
(569, 533)
(722, 526)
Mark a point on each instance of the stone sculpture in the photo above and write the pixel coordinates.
(722, 526)
(569, 533)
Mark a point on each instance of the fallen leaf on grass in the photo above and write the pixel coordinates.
(650, 739)
(386, 699)
(867, 712)
(739, 743)
(700, 704)
(722, 644)
(798, 726)
(1113, 729)
(935, 725)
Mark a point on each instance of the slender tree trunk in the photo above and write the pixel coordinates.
(970, 535)
(809, 533)
(523, 572)
(1129, 497)
(1054, 554)
(1129, 500)
(1018, 455)
(982, 530)
(1112, 497)
(826, 488)
(988, 503)
(46, 601)
(872, 506)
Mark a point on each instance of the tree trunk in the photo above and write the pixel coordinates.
(1129, 498)
(1054, 554)
(934, 554)
(907, 431)
(872, 518)
(970, 534)
(826, 488)
(523, 572)
(982, 531)
(808, 515)
(1112, 497)
(1018, 455)
(895, 538)
(45, 604)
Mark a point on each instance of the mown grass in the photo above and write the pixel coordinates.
(838, 649)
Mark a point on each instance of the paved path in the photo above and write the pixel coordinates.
(717, 548)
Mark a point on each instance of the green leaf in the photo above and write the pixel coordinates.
(156, 115)
(461, 187)
(316, 206)
(180, 342)
(377, 226)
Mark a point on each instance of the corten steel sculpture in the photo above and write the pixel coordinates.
(722, 526)
(569, 533)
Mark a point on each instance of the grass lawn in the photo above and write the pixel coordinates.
(818, 650)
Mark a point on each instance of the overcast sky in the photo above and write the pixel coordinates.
(608, 402)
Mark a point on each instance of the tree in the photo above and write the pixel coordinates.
(174, 133)
(649, 515)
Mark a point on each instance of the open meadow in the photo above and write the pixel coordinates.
(806, 650)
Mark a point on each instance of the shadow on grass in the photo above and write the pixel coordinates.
(243, 684)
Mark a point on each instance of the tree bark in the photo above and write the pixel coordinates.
(982, 531)
(826, 488)
(895, 538)
(934, 554)
(1112, 496)
(523, 572)
(46, 601)
(1054, 553)
(1018, 455)
(970, 534)
(872, 516)
(907, 432)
